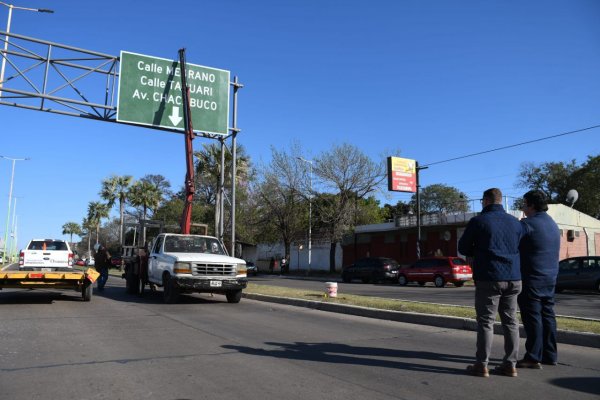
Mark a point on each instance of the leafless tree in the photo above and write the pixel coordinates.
(345, 174)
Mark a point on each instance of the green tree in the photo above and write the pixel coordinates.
(440, 198)
(389, 212)
(160, 182)
(86, 229)
(115, 188)
(555, 179)
(208, 179)
(170, 212)
(145, 195)
(586, 180)
(71, 228)
(552, 178)
(97, 211)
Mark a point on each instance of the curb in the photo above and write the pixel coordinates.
(441, 321)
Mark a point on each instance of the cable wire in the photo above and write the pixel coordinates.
(513, 145)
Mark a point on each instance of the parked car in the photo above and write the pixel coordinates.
(80, 262)
(439, 270)
(579, 273)
(89, 262)
(371, 269)
(115, 261)
(251, 268)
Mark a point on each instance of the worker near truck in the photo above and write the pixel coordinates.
(102, 262)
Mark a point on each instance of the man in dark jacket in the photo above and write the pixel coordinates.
(539, 266)
(101, 263)
(492, 240)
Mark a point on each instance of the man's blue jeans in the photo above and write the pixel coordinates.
(102, 278)
(492, 298)
(537, 312)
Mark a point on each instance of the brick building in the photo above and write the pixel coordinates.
(580, 235)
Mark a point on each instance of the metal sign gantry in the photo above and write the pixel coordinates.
(52, 77)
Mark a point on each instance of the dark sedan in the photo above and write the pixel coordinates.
(371, 269)
(251, 268)
(579, 273)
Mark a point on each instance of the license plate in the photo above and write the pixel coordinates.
(215, 283)
(46, 269)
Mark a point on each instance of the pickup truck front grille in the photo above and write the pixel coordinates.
(213, 269)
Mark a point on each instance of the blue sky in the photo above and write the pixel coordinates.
(432, 79)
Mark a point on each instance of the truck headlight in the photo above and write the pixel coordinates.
(182, 268)
(241, 269)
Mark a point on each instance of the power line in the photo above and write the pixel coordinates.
(513, 145)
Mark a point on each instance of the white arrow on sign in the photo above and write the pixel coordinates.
(174, 117)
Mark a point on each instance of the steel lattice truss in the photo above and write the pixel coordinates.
(46, 76)
(52, 77)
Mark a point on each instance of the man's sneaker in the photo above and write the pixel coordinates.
(527, 363)
(506, 369)
(545, 362)
(478, 369)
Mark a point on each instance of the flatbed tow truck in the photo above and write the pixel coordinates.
(48, 264)
(80, 281)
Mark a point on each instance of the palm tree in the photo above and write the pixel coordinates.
(146, 195)
(208, 173)
(87, 229)
(97, 211)
(116, 188)
(71, 228)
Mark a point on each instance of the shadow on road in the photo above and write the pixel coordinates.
(37, 296)
(116, 293)
(583, 384)
(345, 354)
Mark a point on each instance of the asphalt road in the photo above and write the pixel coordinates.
(578, 304)
(54, 346)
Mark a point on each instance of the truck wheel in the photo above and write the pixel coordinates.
(170, 291)
(86, 291)
(141, 284)
(234, 296)
(132, 283)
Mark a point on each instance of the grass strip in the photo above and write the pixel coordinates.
(570, 324)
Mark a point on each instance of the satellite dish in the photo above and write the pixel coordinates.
(572, 197)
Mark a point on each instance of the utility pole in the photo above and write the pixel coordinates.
(418, 199)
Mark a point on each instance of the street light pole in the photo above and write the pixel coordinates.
(12, 177)
(10, 10)
(12, 229)
(310, 163)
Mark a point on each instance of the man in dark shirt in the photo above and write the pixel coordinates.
(492, 239)
(101, 263)
(539, 267)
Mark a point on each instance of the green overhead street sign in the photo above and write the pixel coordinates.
(150, 94)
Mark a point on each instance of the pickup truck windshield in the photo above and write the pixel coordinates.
(182, 244)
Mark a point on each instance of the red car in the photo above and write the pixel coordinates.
(116, 261)
(439, 270)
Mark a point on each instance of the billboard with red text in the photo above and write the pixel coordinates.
(402, 174)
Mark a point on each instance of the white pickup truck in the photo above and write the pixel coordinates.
(188, 263)
(46, 255)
